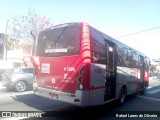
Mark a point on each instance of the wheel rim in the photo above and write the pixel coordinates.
(123, 96)
(21, 86)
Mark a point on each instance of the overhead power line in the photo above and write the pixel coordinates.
(138, 32)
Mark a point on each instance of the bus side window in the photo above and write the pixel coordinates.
(97, 52)
(140, 61)
(129, 54)
(118, 55)
(145, 64)
(121, 56)
(136, 59)
(95, 57)
(124, 56)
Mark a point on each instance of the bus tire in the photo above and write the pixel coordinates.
(122, 95)
(144, 90)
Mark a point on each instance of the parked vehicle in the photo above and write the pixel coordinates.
(4, 66)
(19, 79)
(158, 75)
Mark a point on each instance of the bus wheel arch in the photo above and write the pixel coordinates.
(122, 95)
(144, 90)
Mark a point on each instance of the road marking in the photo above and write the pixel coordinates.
(154, 91)
(148, 98)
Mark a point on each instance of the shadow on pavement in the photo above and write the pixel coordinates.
(56, 109)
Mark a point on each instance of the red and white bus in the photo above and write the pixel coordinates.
(79, 64)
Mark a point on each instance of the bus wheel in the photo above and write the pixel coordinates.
(144, 90)
(122, 96)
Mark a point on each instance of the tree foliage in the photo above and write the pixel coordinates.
(152, 68)
(21, 26)
(10, 43)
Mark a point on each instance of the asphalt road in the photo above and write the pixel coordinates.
(148, 103)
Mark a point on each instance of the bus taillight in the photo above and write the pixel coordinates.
(36, 64)
(36, 60)
(82, 78)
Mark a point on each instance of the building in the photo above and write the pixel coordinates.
(20, 56)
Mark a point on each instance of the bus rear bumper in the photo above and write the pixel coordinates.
(80, 98)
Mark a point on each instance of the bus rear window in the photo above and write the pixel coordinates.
(59, 41)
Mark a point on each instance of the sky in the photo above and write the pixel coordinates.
(116, 18)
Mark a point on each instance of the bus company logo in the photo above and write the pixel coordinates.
(53, 80)
(65, 76)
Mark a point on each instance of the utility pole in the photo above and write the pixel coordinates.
(5, 48)
(1, 46)
(6, 26)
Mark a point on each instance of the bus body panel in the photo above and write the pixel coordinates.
(127, 76)
(97, 84)
(96, 96)
(97, 79)
(80, 98)
(61, 76)
(58, 77)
